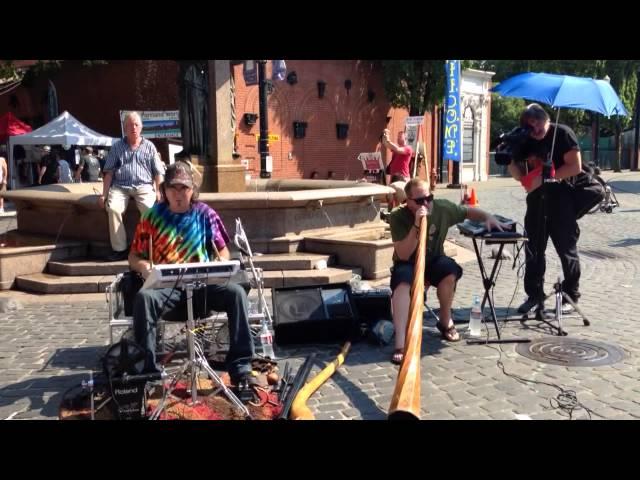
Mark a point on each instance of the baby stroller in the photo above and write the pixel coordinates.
(609, 202)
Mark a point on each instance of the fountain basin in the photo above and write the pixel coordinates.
(277, 216)
(369, 248)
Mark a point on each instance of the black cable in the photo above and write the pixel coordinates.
(566, 400)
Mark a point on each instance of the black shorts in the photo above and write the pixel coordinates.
(435, 270)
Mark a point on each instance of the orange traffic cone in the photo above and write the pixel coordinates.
(473, 199)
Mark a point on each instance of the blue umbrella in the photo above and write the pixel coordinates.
(564, 91)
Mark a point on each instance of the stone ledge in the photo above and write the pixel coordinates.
(47, 283)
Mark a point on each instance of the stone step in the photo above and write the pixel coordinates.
(284, 261)
(292, 261)
(83, 266)
(304, 278)
(48, 283)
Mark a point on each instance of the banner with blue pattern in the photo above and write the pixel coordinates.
(452, 117)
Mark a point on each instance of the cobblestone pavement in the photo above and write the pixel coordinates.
(46, 347)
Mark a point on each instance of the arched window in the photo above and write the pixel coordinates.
(467, 135)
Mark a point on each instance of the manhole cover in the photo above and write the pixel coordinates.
(571, 352)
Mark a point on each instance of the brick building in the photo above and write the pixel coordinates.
(353, 96)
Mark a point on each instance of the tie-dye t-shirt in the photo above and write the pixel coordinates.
(179, 237)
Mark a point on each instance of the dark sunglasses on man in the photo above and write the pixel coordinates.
(423, 200)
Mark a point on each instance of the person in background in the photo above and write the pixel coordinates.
(65, 171)
(401, 157)
(3, 175)
(132, 170)
(89, 167)
(49, 167)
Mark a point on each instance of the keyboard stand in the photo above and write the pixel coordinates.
(489, 283)
(196, 362)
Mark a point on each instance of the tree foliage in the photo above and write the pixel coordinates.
(9, 70)
(417, 85)
(622, 74)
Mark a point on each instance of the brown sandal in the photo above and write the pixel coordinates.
(398, 356)
(448, 334)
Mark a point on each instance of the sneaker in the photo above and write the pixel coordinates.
(1, 209)
(567, 307)
(528, 305)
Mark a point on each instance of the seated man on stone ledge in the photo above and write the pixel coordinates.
(440, 271)
(184, 230)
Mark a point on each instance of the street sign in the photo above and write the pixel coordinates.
(414, 120)
(272, 137)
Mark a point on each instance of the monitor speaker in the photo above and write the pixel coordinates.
(314, 314)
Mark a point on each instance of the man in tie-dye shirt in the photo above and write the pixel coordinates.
(185, 230)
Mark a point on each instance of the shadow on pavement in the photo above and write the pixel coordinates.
(627, 242)
(79, 358)
(44, 395)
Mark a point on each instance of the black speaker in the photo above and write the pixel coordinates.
(372, 305)
(314, 314)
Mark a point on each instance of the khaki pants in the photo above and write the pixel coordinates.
(117, 202)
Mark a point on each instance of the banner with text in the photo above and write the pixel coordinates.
(157, 124)
(452, 118)
(411, 127)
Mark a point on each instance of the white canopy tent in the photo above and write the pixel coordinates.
(65, 129)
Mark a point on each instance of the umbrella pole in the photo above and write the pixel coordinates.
(555, 132)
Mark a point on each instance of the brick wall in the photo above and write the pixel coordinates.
(320, 150)
(94, 95)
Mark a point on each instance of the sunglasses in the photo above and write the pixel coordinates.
(423, 200)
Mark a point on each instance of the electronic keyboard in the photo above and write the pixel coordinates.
(479, 229)
(170, 275)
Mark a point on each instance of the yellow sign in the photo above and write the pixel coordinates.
(272, 137)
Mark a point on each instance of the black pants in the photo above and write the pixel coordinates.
(561, 225)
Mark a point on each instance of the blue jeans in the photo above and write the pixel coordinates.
(149, 305)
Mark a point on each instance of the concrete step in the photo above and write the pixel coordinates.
(304, 278)
(83, 266)
(291, 261)
(48, 283)
(284, 261)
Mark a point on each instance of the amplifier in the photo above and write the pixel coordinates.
(373, 305)
(314, 314)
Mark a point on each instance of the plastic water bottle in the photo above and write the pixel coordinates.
(266, 341)
(475, 318)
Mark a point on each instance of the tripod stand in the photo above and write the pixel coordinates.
(559, 296)
(196, 362)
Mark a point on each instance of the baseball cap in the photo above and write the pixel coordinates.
(46, 148)
(179, 174)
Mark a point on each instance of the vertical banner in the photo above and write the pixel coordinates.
(452, 118)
